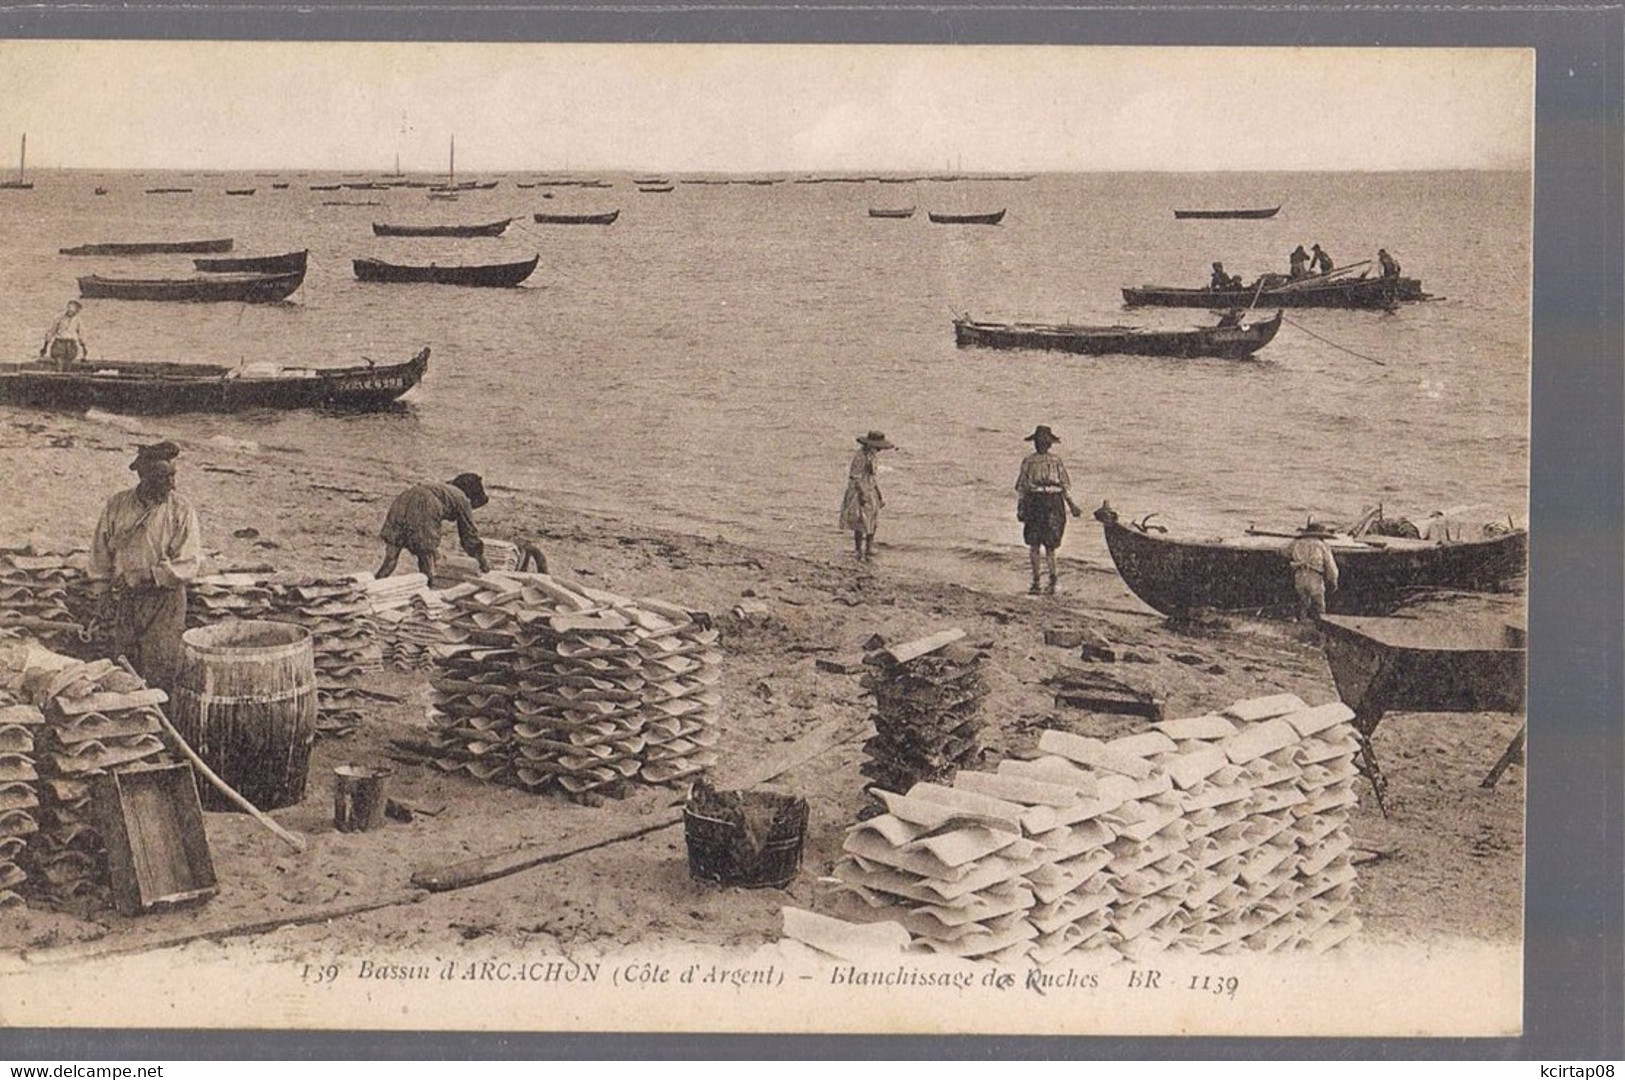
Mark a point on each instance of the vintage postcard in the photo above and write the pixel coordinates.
(925, 539)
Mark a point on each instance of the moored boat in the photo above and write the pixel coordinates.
(155, 247)
(216, 288)
(1250, 573)
(659, 189)
(891, 212)
(966, 219)
(1242, 215)
(498, 275)
(606, 218)
(1228, 342)
(293, 262)
(240, 191)
(490, 228)
(156, 388)
(1346, 292)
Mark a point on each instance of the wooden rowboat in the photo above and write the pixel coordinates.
(216, 288)
(156, 388)
(498, 275)
(967, 219)
(1361, 292)
(1243, 215)
(1227, 342)
(293, 262)
(885, 212)
(1250, 573)
(607, 218)
(156, 247)
(1439, 663)
(491, 228)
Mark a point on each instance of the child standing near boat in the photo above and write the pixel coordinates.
(1314, 570)
(860, 506)
(65, 343)
(1044, 492)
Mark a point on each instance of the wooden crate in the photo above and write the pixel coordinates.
(152, 823)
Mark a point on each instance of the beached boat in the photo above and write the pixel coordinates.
(240, 191)
(660, 189)
(155, 247)
(887, 212)
(293, 262)
(499, 275)
(967, 219)
(1238, 215)
(215, 288)
(1439, 662)
(22, 183)
(1275, 291)
(491, 228)
(169, 191)
(153, 388)
(1250, 573)
(1231, 342)
(607, 218)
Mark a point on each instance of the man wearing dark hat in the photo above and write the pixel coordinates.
(1045, 494)
(414, 518)
(1299, 262)
(1321, 263)
(1314, 570)
(144, 552)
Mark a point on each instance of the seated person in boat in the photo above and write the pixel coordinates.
(1389, 264)
(1230, 318)
(415, 517)
(1045, 495)
(65, 343)
(1321, 263)
(1299, 263)
(1222, 281)
(1314, 570)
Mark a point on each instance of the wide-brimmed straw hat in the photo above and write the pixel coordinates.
(1042, 433)
(155, 455)
(877, 440)
(471, 485)
(1314, 528)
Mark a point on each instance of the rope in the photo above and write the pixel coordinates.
(1333, 344)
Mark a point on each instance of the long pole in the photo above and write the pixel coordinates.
(22, 159)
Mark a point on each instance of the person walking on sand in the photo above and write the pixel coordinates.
(1314, 570)
(860, 506)
(1044, 493)
(144, 551)
(65, 343)
(414, 519)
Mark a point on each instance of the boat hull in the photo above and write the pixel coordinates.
(497, 276)
(219, 288)
(576, 219)
(1227, 215)
(967, 219)
(1391, 665)
(1225, 342)
(907, 212)
(177, 247)
(1177, 576)
(158, 389)
(493, 228)
(291, 263)
(1362, 293)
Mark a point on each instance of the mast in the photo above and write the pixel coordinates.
(22, 159)
(451, 173)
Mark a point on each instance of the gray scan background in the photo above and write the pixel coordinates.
(1574, 960)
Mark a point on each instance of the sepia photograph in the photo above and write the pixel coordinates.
(914, 539)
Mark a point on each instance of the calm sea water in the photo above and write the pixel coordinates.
(706, 362)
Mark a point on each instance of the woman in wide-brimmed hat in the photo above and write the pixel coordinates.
(1314, 570)
(860, 506)
(1044, 491)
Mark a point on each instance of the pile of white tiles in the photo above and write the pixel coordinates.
(39, 594)
(681, 669)
(411, 620)
(1226, 832)
(475, 681)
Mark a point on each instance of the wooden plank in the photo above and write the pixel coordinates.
(913, 650)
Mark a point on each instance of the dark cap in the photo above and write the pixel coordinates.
(471, 485)
(163, 452)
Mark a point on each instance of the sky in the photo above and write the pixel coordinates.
(761, 108)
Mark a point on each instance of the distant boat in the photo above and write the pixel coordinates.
(444, 196)
(100, 191)
(967, 219)
(351, 202)
(214, 288)
(326, 187)
(169, 191)
(19, 184)
(904, 212)
(154, 247)
(1226, 342)
(661, 190)
(293, 262)
(493, 276)
(493, 228)
(149, 388)
(524, 186)
(370, 185)
(279, 187)
(651, 181)
(1248, 215)
(1276, 291)
(239, 191)
(577, 219)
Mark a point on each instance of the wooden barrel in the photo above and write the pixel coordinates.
(245, 699)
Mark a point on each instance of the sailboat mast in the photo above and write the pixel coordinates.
(22, 159)
(451, 174)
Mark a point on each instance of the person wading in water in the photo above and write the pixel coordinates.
(1044, 492)
(860, 506)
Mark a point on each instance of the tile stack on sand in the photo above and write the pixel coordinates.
(344, 640)
(951, 866)
(475, 680)
(218, 597)
(39, 595)
(21, 732)
(97, 717)
(410, 618)
(1220, 833)
(455, 568)
(681, 669)
(928, 696)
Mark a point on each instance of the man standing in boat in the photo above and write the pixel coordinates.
(1299, 263)
(1390, 265)
(1320, 263)
(1222, 281)
(414, 518)
(1044, 492)
(144, 552)
(1314, 570)
(65, 343)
